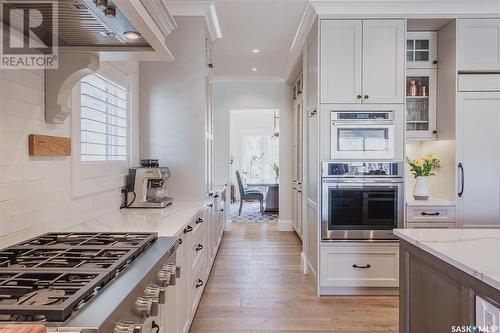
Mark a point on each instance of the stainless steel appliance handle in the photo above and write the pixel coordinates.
(462, 179)
(363, 181)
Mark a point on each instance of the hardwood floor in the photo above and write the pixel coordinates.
(257, 286)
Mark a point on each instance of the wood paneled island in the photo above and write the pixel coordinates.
(449, 280)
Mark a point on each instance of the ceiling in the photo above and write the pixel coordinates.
(266, 25)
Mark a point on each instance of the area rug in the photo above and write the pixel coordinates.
(251, 214)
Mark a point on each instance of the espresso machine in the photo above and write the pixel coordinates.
(147, 185)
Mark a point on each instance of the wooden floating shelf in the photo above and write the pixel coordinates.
(45, 145)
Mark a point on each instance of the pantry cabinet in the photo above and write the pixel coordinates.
(297, 147)
(478, 45)
(362, 61)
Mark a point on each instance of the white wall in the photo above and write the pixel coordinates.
(442, 185)
(172, 110)
(35, 193)
(256, 94)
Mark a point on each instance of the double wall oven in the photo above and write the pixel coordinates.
(362, 200)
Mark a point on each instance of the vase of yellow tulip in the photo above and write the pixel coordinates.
(422, 169)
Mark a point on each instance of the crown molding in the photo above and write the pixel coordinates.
(202, 8)
(309, 17)
(406, 8)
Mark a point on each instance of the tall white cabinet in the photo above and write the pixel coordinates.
(478, 155)
(362, 61)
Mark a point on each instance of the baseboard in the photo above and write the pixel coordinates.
(358, 291)
(285, 225)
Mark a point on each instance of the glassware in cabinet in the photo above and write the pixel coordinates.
(421, 103)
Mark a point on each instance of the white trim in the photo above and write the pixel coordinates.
(212, 22)
(285, 225)
(93, 177)
(198, 8)
(296, 50)
(406, 8)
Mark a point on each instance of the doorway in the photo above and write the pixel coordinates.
(254, 166)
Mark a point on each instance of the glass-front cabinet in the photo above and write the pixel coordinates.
(421, 49)
(421, 103)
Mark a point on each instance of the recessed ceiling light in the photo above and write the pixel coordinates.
(132, 34)
(255, 51)
(254, 69)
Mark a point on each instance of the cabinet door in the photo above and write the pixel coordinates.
(421, 49)
(383, 61)
(341, 48)
(478, 150)
(311, 71)
(300, 225)
(182, 288)
(299, 133)
(479, 44)
(421, 103)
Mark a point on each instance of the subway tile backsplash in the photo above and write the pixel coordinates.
(35, 193)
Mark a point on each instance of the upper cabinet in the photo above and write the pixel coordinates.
(311, 70)
(421, 49)
(362, 61)
(479, 44)
(341, 53)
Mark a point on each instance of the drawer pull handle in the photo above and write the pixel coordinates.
(199, 220)
(199, 283)
(199, 247)
(188, 229)
(430, 214)
(362, 267)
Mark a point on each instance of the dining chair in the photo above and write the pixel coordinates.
(246, 194)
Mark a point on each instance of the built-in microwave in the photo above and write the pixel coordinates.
(366, 134)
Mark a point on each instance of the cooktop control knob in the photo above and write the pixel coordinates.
(172, 270)
(154, 290)
(143, 306)
(127, 327)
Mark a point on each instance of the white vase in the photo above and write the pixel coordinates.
(421, 188)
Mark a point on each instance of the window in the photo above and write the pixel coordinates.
(259, 156)
(104, 125)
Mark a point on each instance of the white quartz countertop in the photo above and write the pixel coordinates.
(167, 222)
(429, 202)
(474, 251)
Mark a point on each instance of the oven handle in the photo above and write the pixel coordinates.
(362, 182)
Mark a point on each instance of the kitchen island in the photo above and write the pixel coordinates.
(449, 280)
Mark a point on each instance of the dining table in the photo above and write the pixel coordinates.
(272, 195)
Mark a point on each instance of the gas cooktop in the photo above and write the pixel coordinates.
(47, 278)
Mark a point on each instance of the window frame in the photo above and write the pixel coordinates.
(90, 177)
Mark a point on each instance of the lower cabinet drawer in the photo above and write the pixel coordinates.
(195, 288)
(359, 266)
(430, 213)
(197, 249)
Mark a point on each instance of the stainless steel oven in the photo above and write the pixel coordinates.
(362, 201)
(366, 134)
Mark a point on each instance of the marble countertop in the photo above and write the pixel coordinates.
(474, 251)
(167, 222)
(429, 202)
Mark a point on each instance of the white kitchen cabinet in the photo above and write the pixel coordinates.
(341, 57)
(421, 49)
(359, 265)
(297, 211)
(478, 159)
(478, 45)
(311, 69)
(421, 89)
(383, 61)
(362, 61)
(182, 285)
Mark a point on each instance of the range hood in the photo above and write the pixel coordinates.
(104, 25)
